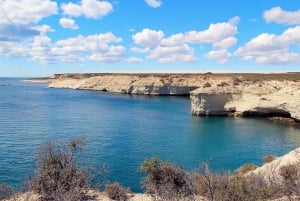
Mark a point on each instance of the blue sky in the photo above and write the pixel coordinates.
(43, 37)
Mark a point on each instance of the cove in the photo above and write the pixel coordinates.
(123, 130)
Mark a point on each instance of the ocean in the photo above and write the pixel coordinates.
(123, 130)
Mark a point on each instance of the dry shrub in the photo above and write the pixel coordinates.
(236, 81)
(268, 158)
(166, 182)
(207, 84)
(223, 84)
(116, 191)
(246, 168)
(291, 180)
(228, 186)
(6, 191)
(58, 176)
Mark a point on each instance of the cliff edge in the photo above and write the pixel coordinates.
(266, 98)
(211, 94)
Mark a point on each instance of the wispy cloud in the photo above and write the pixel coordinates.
(280, 16)
(154, 3)
(68, 23)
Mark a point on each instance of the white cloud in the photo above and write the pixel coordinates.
(165, 54)
(13, 49)
(40, 50)
(140, 50)
(154, 3)
(177, 46)
(93, 47)
(110, 54)
(272, 49)
(68, 23)
(215, 33)
(89, 8)
(76, 49)
(225, 43)
(280, 16)
(134, 60)
(148, 38)
(174, 40)
(222, 55)
(27, 11)
(19, 20)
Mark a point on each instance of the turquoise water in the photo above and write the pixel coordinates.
(123, 130)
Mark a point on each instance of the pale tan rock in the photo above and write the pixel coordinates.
(149, 84)
(258, 99)
(271, 171)
(224, 94)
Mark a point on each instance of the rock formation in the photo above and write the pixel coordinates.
(264, 98)
(271, 170)
(211, 94)
(143, 84)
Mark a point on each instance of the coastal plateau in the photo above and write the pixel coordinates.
(269, 95)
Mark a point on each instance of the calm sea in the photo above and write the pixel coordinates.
(123, 130)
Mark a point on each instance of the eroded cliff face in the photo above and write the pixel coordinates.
(220, 94)
(264, 98)
(147, 84)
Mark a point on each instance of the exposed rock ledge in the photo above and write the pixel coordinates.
(147, 84)
(211, 94)
(271, 170)
(264, 98)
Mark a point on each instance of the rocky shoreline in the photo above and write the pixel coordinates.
(236, 94)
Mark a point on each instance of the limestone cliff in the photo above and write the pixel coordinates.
(148, 84)
(211, 94)
(263, 98)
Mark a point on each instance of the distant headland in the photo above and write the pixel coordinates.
(275, 95)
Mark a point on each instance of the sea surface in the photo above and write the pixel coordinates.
(123, 130)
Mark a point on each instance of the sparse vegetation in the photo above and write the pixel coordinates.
(223, 84)
(236, 81)
(228, 186)
(290, 185)
(5, 191)
(166, 182)
(116, 191)
(59, 177)
(207, 84)
(246, 168)
(268, 158)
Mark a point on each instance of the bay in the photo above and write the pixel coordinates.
(124, 130)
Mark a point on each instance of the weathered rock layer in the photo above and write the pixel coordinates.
(264, 98)
(211, 94)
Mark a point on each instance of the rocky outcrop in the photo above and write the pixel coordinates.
(211, 94)
(264, 98)
(147, 84)
(211, 101)
(271, 170)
